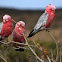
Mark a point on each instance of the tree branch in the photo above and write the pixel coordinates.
(41, 49)
(2, 57)
(33, 50)
(56, 45)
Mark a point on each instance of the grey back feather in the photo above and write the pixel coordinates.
(42, 21)
(1, 24)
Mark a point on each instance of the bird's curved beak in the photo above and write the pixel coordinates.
(31, 34)
(54, 8)
(20, 28)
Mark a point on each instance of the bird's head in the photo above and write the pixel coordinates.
(6, 18)
(50, 9)
(20, 25)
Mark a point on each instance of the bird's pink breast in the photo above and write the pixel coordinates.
(50, 20)
(7, 29)
(17, 37)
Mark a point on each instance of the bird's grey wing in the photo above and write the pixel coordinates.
(1, 24)
(42, 21)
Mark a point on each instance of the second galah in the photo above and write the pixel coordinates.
(45, 20)
(6, 26)
(18, 32)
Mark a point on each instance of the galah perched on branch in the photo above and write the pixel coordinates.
(18, 33)
(45, 20)
(6, 26)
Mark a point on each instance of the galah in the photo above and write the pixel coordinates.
(18, 33)
(45, 20)
(6, 26)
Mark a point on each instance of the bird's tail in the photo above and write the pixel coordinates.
(0, 38)
(32, 33)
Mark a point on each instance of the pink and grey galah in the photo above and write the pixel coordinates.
(45, 20)
(6, 26)
(18, 33)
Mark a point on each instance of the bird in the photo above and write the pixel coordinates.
(18, 32)
(6, 26)
(44, 21)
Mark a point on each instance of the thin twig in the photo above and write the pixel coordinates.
(4, 42)
(56, 46)
(2, 57)
(21, 47)
(48, 58)
(52, 57)
(16, 23)
(41, 49)
(60, 54)
(13, 42)
(33, 51)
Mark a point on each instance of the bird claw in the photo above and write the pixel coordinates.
(47, 29)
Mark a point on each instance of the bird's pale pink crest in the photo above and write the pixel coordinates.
(6, 18)
(20, 23)
(50, 7)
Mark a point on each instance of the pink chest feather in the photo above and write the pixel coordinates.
(50, 20)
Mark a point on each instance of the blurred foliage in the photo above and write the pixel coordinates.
(12, 55)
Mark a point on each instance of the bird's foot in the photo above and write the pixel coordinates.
(47, 29)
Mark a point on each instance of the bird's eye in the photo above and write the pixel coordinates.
(6, 19)
(22, 24)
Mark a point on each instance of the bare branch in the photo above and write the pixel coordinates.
(13, 42)
(2, 57)
(56, 46)
(33, 50)
(15, 22)
(48, 58)
(21, 47)
(60, 54)
(52, 57)
(41, 49)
